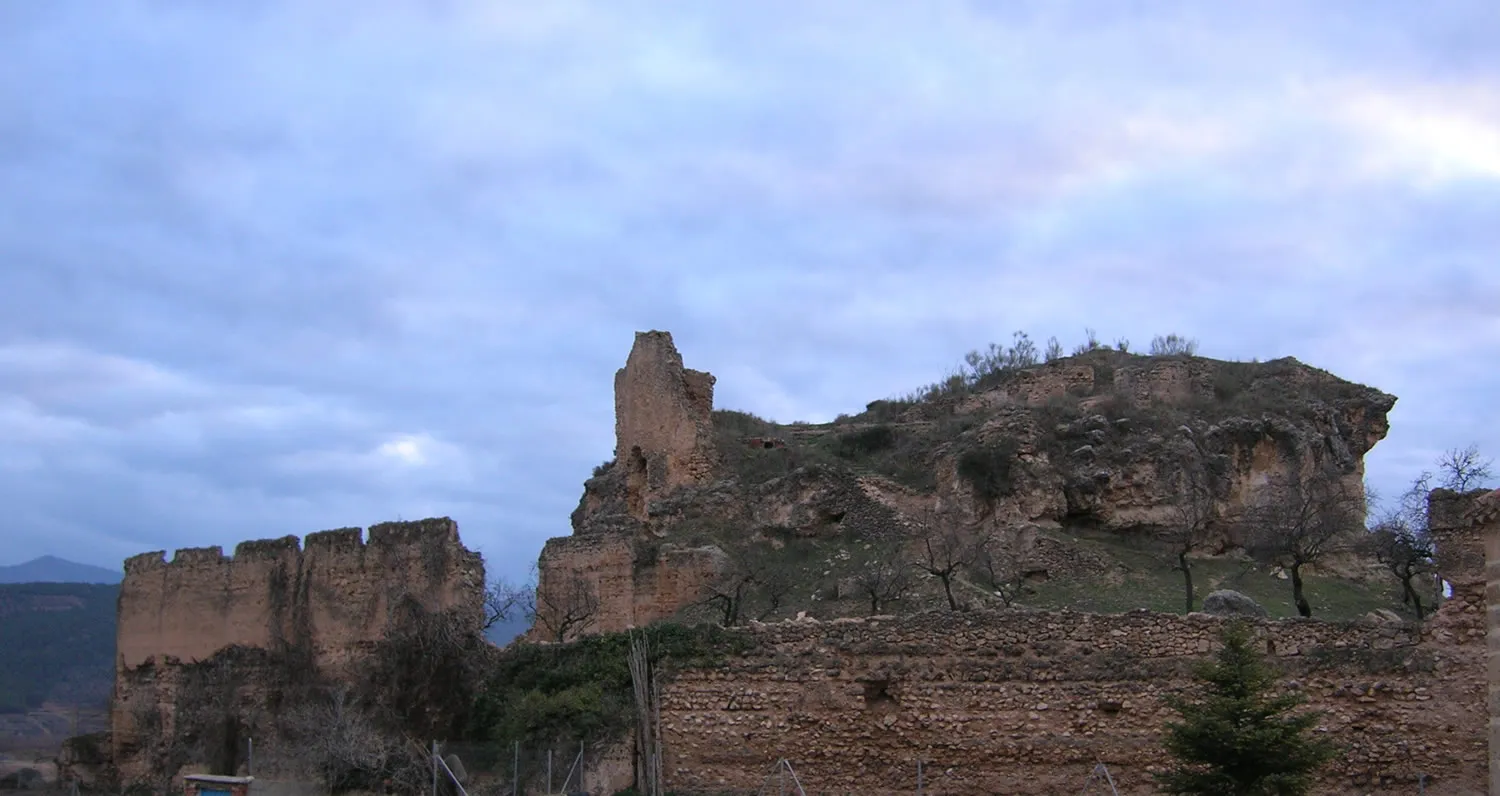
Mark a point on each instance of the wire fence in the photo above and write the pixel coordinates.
(496, 769)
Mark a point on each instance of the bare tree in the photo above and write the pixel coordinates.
(566, 607)
(944, 553)
(1292, 523)
(885, 579)
(1191, 515)
(1400, 541)
(748, 577)
(997, 566)
(1465, 469)
(504, 600)
(772, 586)
(729, 590)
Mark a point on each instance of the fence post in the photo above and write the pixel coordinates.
(434, 762)
(549, 772)
(919, 777)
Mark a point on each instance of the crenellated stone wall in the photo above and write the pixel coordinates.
(333, 589)
(324, 600)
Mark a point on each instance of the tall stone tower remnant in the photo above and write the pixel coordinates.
(663, 421)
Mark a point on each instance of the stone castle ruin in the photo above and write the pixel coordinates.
(210, 646)
(1020, 701)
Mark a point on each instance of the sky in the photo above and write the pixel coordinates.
(273, 267)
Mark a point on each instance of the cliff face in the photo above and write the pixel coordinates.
(1101, 442)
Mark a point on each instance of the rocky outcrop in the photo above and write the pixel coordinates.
(1104, 441)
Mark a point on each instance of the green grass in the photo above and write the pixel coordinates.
(1149, 582)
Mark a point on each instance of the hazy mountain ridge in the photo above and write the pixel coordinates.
(51, 569)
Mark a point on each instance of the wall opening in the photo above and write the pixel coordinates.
(636, 483)
(878, 693)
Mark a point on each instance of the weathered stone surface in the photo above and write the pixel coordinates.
(1226, 602)
(663, 429)
(330, 596)
(631, 591)
(1028, 702)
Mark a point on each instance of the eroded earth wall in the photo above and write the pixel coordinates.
(1029, 702)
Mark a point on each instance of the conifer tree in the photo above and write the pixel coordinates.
(1239, 737)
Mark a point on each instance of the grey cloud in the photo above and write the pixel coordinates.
(336, 227)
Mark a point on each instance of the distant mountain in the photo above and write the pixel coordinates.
(502, 633)
(59, 644)
(51, 569)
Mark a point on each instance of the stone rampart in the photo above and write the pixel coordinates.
(1027, 703)
(334, 590)
(325, 601)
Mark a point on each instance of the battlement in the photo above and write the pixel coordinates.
(262, 549)
(395, 534)
(389, 536)
(332, 589)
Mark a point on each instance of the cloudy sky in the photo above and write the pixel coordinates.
(273, 267)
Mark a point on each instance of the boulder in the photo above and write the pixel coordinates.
(1225, 602)
(1383, 616)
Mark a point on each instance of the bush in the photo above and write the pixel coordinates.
(558, 693)
(885, 411)
(864, 442)
(989, 470)
(1173, 345)
(732, 422)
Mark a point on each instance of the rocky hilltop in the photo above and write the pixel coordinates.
(1102, 445)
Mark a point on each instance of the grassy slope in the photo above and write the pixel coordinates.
(1150, 583)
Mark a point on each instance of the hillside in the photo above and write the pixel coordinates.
(51, 569)
(1079, 468)
(59, 644)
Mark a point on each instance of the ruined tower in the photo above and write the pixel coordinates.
(663, 425)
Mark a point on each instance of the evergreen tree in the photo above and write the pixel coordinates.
(1238, 738)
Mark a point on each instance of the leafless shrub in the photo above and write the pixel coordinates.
(1173, 345)
(346, 749)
